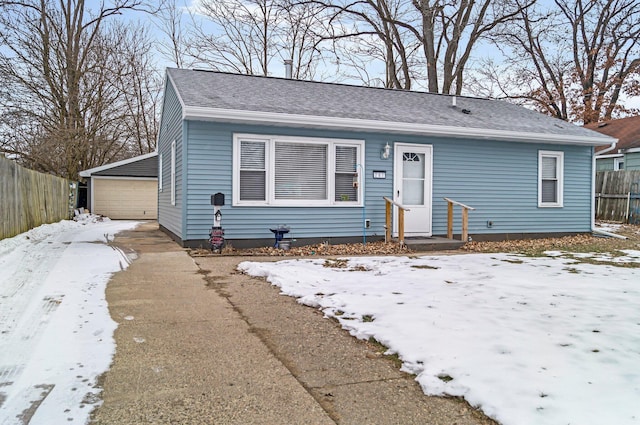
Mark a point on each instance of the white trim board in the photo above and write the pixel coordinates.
(613, 155)
(270, 163)
(314, 121)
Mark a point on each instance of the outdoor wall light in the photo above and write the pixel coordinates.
(386, 152)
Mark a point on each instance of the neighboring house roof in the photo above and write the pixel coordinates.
(140, 166)
(626, 130)
(216, 96)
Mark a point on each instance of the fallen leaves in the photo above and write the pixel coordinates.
(577, 243)
(322, 249)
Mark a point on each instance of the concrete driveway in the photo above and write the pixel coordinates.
(199, 343)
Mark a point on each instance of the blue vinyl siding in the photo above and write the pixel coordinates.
(499, 179)
(632, 161)
(171, 129)
(604, 164)
(209, 171)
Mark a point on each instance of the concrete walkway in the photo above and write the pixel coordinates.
(199, 343)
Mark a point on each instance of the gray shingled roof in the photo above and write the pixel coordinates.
(208, 89)
(139, 166)
(143, 168)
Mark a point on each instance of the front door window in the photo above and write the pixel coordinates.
(413, 178)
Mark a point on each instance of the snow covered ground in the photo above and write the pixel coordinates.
(530, 341)
(56, 335)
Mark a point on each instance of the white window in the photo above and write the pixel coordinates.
(173, 173)
(618, 164)
(160, 172)
(550, 178)
(297, 171)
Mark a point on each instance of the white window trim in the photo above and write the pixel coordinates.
(270, 191)
(173, 172)
(559, 155)
(616, 163)
(160, 172)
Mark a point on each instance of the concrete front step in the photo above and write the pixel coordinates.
(432, 244)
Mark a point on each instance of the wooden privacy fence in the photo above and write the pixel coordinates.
(29, 198)
(618, 196)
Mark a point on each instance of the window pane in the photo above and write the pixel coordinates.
(413, 165)
(252, 171)
(550, 191)
(346, 159)
(413, 192)
(252, 185)
(346, 163)
(345, 192)
(413, 172)
(549, 168)
(252, 155)
(300, 171)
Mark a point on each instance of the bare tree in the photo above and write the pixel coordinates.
(169, 20)
(242, 37)
(573, 60)
(137, 85)
(297, 37)
(368, 31)
(447, 31)
(246, 36)
(451, 30)
(64, 112)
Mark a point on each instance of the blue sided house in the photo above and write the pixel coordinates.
(319, 158)
(626, 155)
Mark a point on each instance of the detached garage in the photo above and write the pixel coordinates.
(125, 189)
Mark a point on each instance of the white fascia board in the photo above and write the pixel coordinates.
(613, 155)
(175, 88)
(259, 117)
(87, 173)
(124, 178)
(631, 150)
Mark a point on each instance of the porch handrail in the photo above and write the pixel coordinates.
(465, 218)
(399, 205)
(401, 209)
(459, 203)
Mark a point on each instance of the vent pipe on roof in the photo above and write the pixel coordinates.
(453, 101)
(288, 68)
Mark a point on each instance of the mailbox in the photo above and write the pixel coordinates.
(217, 199)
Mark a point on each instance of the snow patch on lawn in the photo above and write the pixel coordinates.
(608, 227)
(548, 340)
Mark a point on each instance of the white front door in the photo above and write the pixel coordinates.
(412, 187)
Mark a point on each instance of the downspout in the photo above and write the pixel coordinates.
(593, 190)
(364, 205)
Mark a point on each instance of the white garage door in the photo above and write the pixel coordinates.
(129, 199)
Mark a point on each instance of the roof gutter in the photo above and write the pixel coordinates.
(340, 123)
(593, 186)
